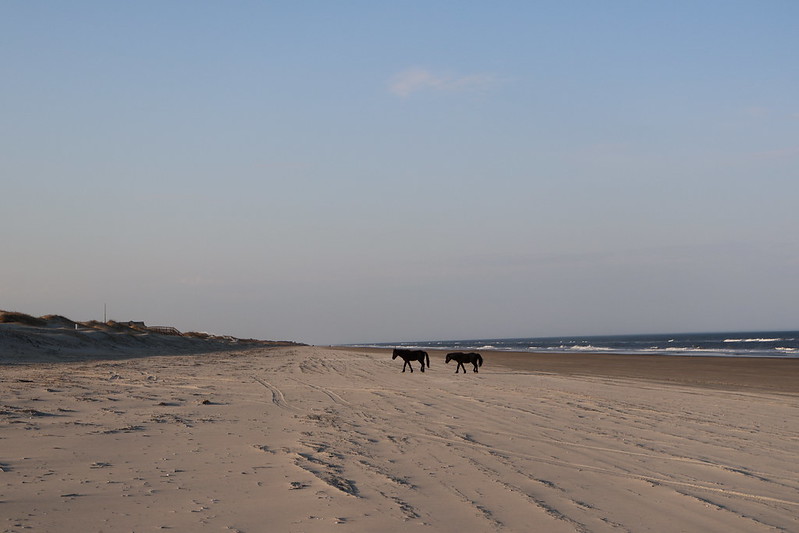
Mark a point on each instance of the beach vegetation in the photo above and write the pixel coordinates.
(21, 318)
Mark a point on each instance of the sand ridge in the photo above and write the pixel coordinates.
(28, 339)
(318, 439)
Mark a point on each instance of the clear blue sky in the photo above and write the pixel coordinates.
(340, 172)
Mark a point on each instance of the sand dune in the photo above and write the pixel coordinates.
(313, 439)
(27, 339)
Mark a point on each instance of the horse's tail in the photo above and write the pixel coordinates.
(427, 356)
(479, 360)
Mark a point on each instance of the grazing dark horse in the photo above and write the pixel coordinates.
(411, 355)
(475, 358)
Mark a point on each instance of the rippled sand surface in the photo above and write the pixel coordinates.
(321, 439)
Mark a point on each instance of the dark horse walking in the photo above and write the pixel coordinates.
(475, 358)
(411, 355)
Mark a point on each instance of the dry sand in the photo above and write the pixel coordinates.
(323, 439)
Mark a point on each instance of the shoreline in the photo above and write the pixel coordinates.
(769, 374)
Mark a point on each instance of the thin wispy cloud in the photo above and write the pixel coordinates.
(196, 281)
(757, 112)
(414, 80)
(779, 153)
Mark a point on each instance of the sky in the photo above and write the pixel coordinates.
(358, 171)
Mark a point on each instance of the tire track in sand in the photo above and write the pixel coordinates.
(330, 394)
(640, 477)
(277, 395)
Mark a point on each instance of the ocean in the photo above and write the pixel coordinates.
(783, 344)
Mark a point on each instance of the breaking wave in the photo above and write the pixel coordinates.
(750, 344)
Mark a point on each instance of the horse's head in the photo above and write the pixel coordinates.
(394, 355)
(449, 358)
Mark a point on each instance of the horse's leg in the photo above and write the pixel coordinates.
(403, 365)
(422, 361)
(475, 367)
(460, 365)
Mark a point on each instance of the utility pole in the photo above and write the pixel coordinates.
(105, 313)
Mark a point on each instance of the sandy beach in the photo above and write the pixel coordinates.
(303, 438)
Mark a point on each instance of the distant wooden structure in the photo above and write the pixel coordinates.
(165, 330)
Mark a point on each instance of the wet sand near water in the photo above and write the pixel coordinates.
(732, 373)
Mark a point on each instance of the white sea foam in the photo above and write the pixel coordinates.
(588, 348)
(750, 344)
(753, 340)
